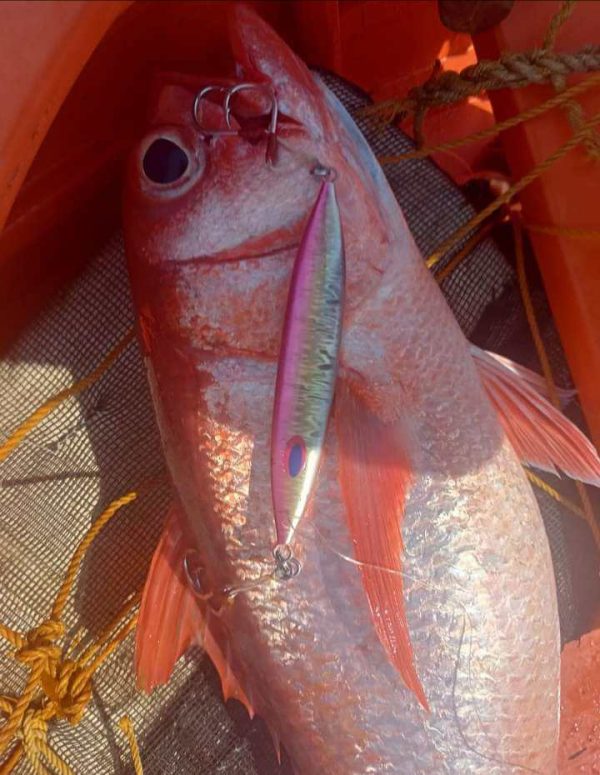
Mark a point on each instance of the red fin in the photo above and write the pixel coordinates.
(171, 619)
(276, 741)
(375, 476)
(540, 434)
(486, 359)
(219, 656)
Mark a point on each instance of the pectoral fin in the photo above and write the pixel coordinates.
(375, 475)
(540, 434)
(171, 619)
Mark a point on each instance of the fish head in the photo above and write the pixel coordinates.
(213, 221)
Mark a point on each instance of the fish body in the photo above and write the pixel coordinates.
(211, 256)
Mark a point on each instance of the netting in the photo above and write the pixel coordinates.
(99, 445)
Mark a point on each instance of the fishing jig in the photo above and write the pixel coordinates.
(308, 360)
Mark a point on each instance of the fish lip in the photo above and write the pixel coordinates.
(233, 255)
(249, 250)
(188, 142)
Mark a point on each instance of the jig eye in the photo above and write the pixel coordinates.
(164, 161)
(295, 456)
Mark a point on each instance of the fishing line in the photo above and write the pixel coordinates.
(487, 757)
(420, 583)
(307, 159)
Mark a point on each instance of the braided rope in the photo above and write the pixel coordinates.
(63, 685)
(571, 232)
(557, 21)
(465, 251)
(587, 509)
(13, 441)
(76, 559)
(127, 728)
(557, 100)
(511, 192)
(511, 71)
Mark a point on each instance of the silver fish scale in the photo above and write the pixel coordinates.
(485, 684)
(474, 615)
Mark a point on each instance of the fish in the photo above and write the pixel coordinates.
(421, 634)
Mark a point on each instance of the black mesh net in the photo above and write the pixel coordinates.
(98, 446)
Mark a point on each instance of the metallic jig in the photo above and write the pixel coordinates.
(308, 360)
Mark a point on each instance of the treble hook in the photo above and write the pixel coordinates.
(196, 107)
(286, 568)
(274, 111)
(230, 131)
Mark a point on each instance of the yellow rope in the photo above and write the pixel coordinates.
(62, 685)
(13, 759)
(543, 485)
(111, 645)
(511, 192)
(17, 715)
(530, 312)
(557, 21)
(12, 636)
(571, 232)
(471, 243)
(35, 742)
(48, 406)
(127, 729)
(537, 110)
(99, 524)
(587, 511)
(125, 611)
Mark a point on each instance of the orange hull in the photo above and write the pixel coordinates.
(565, 196)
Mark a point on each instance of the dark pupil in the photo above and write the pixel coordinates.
(295, 460)
(164, 162)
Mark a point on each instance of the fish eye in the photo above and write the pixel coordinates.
(168, 162)
(164, 161)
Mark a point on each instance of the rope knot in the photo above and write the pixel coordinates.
(69, 691)
(33, 732)
(41, 650)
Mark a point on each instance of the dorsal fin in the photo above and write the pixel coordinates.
(171, 619)
(375, 475)
(540, 434)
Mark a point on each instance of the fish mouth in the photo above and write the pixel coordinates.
(270, 245)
